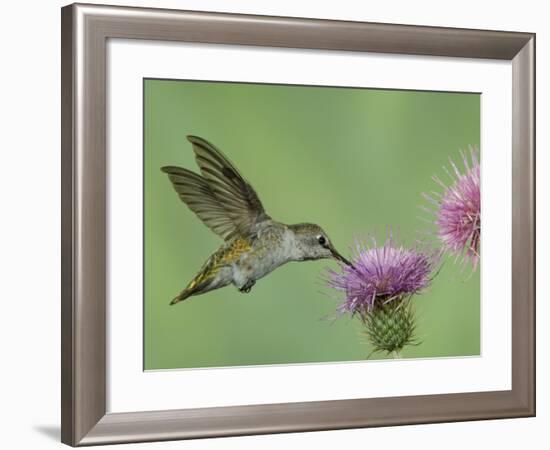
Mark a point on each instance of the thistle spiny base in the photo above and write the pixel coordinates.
(390, 327)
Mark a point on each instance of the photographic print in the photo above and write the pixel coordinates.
(289, 224)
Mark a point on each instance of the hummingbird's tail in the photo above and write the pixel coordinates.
(186, 293)
(206, 280)
(199, 285)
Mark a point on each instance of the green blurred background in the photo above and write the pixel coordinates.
(353, 161)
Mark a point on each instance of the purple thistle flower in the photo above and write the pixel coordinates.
(382, 274)
(458, 214)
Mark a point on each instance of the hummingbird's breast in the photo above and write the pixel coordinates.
(272, 246)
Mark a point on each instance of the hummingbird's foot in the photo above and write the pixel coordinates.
(245, 289)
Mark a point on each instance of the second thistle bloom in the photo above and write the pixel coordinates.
(458, 210)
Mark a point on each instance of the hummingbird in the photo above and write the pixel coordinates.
(254, 244)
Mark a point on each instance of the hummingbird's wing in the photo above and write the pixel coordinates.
(195, 192)
(221, 198)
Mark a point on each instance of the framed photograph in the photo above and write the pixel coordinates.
(274, 224)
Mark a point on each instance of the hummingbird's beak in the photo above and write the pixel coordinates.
(339, 257)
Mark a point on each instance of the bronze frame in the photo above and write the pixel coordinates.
(85, 30)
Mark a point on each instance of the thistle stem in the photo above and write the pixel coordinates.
(396, 354)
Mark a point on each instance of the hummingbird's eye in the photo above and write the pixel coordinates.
(322, 240)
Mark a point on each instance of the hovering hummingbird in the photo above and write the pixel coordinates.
(254, 243)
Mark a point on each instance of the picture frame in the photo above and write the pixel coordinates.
(85, 30)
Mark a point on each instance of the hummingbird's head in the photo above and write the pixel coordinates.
(313, 243)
